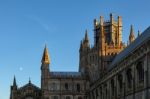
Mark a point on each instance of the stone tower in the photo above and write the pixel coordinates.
(45, 75)
(107, 44)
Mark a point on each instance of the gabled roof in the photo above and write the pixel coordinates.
(145, 36)
(29, 85)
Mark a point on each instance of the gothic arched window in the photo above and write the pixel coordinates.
(54, 87)
(80, 97)
(100, 89)
(112, 87)
(120, 80)
(66, 86)
(106, 92)
(96, 92)
(68, 97)
(129, 78)
(140, 71)
(78, 87)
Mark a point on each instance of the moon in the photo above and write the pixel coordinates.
(20, 68)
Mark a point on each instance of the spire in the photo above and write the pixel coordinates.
(29, 80)
(14, 82)
(86, 36)
(86, 40)
(45, 58)
(131, 36)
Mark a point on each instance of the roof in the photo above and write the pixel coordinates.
(29, 85)
(66, 74)
(136, 43)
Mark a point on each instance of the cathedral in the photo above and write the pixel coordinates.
(109, 69)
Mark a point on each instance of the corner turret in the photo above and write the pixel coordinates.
(45, 74)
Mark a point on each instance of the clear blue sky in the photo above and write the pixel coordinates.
(26, 25)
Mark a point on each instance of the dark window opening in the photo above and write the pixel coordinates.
(120, 80)
(79, 97)
(55, 97)
(112, 87)
(66, 86)
(68, 97)
(129, 78)
(140, 71)
(78, 87)
(96, 92)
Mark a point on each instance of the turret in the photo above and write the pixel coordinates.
(119, 32)
(112, 40)
(13, 94)
(45, 58)
(101, 47)
(45, 68)
(96, 30)
(84, 49)
(101, 39)
(111, 18)
(131, 36)
(101, 20)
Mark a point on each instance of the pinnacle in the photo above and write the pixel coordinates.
(86, 36)
(14, 82)
(132, 31)
(131, 36)
(29, 80)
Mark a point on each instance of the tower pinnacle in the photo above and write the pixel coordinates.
(29, 80)
(86, 36)
(131, 36)
(86, 40)
(45, 58)
(14, 82)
